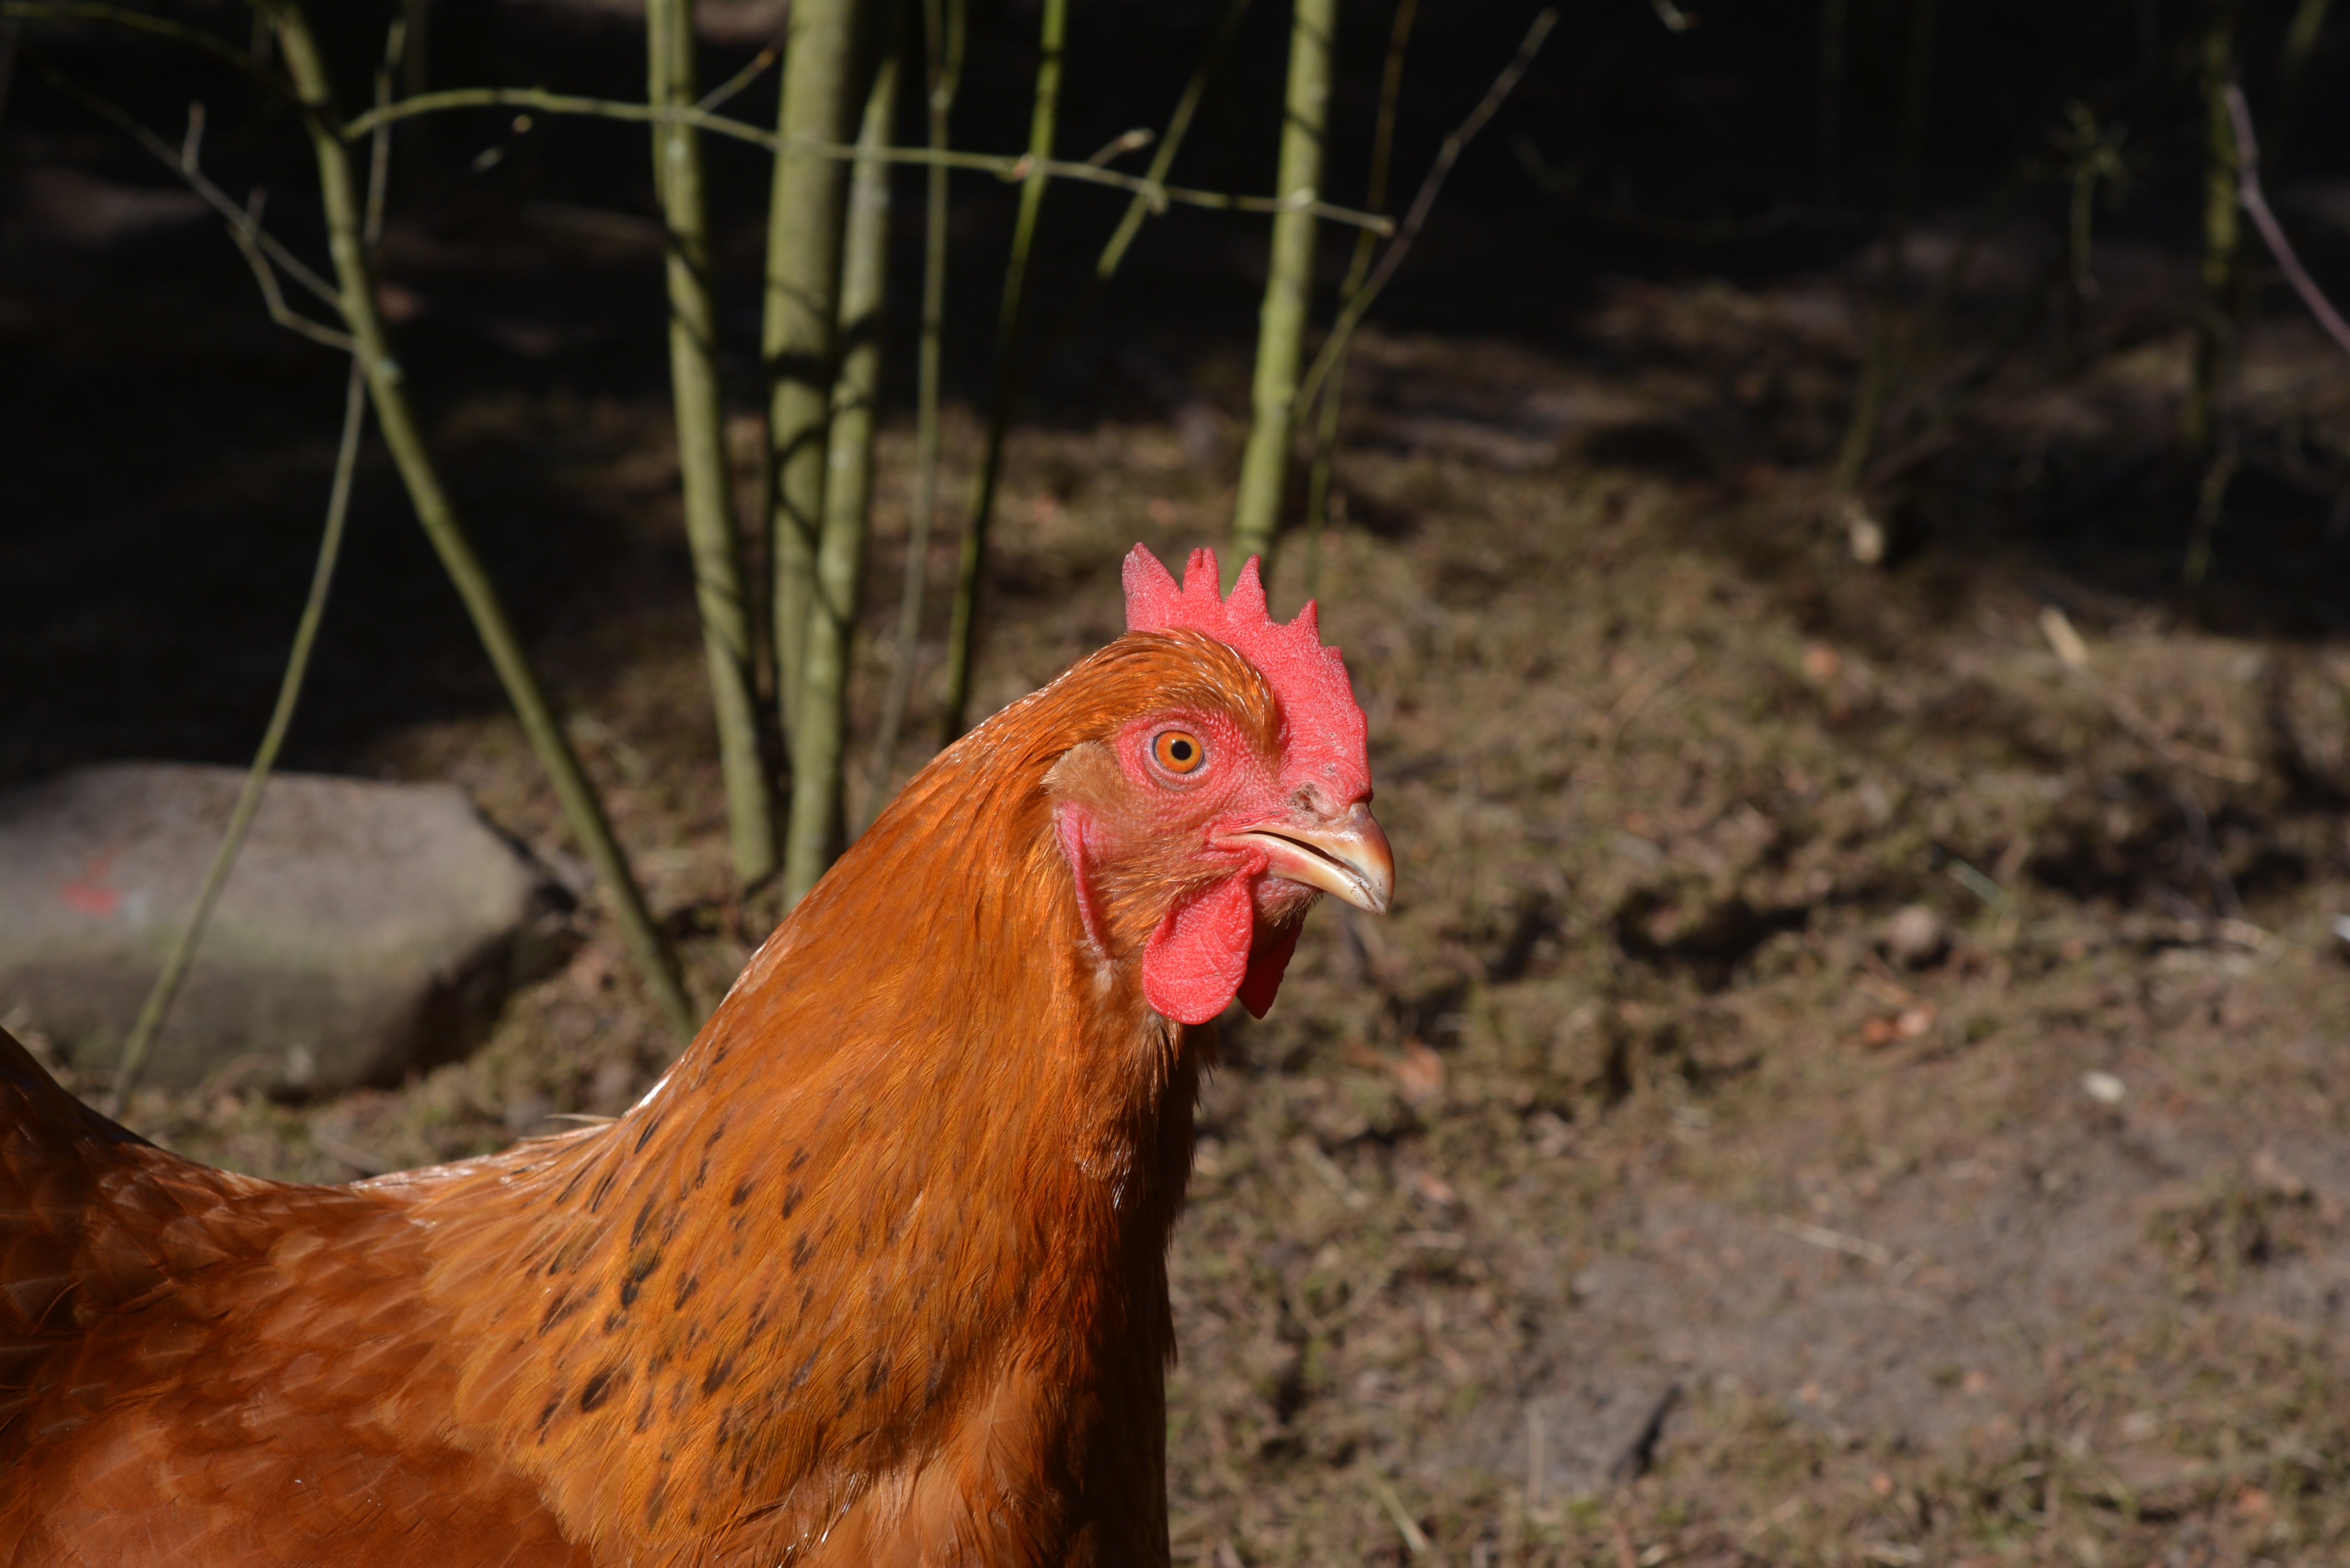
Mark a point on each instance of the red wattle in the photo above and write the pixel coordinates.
(1199, 953)
(1268, 960)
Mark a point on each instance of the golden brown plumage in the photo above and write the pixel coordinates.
(875, 1275)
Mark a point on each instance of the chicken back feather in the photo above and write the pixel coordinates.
(875, 1275)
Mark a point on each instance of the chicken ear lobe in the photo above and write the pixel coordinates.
(1074, 827)
(1198, 955)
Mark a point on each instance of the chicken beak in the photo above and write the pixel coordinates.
(1347, 858)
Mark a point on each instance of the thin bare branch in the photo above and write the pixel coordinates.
(1446, 156)
(1013, 170)
(396, 418)
(2256, 202)
(759, 66)
(1375, 196)
(140, 1042)
(257, 245)
(1178, 126)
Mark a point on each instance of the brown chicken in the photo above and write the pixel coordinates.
(876, 1274)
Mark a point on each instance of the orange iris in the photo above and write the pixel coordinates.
(1179, 751)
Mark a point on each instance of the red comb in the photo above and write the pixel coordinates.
(1326, 735)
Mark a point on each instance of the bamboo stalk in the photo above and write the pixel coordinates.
(820, 753)
(820, 102)
(140, 1042)
(942, 36)
(702, 469)
(1288, 287)
(970, 566)
(1375, 196)
(384, 378)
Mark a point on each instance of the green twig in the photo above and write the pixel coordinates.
(942, 36)
(725, 91)
(1179, 126)
(702, 469)
(149, 1025)
(819, 751)
(439, 519)
(971, 565)
(1350, 313)
(1288, 287)
(1024, 169)
(1325, 438)
(260, 248)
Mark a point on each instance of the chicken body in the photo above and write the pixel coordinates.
(876, 1274)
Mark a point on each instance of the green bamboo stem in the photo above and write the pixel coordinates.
(1326, 437)
(1288, 287)
(819, 751)
(1022, 170)
(385, 379)
(942, 36)
(820, 103)
(140, 1042)
(1868, 403)
(702, 468)
(972, 565)
(1179, 126)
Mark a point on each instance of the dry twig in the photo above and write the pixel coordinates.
(2255, 203)
(1351, 315)
(1013, 170)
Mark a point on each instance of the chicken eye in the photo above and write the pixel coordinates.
(1178, 750)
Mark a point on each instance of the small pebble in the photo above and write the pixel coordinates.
(1913, 937)
(2102, 1087)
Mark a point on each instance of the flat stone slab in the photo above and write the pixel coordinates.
(367, 929)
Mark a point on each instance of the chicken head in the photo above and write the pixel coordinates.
(1200, 829)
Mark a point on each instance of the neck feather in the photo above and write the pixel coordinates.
(930, 1149)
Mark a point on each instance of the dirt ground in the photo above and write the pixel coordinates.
(1858, 1071)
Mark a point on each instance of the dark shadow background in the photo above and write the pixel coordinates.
(166, 449)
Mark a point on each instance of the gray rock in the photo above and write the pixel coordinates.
(367, 929)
